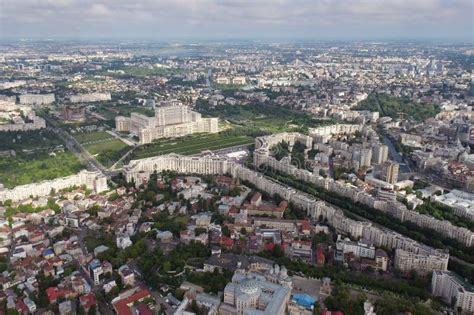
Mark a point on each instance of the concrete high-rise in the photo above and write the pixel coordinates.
(380, 154)
(365, 157)
(390, 172)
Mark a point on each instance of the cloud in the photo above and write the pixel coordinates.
(237, 18)
(99, 10)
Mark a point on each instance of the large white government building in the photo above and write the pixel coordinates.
(169, 121)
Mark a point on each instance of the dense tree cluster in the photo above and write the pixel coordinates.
(396, 107)
(409, 288)
(158, 267)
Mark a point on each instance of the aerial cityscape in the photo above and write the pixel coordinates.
(237, 157)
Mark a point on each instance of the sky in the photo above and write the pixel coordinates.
(237, 19)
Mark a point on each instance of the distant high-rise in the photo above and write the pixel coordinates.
(390, 172)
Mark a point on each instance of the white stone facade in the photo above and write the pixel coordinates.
(93, 180)
(452, 288)
(37, 99)
(90, 97)
(169, 121)
(422, 263)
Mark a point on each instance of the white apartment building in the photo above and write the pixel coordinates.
(322, 134)
(96, 271)
(263, 145)
(380, 154)
(461, 202)
(169, 121)
(452, 288)
(365, 157)
(37, 99)
(222, 80)
(93, 180)
(361, 248)
(422, 263)
(21, 125)
(239, 80)
(90, 97)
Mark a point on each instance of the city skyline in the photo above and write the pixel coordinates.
(210, 20)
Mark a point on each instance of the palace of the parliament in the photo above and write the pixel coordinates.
(169, 121)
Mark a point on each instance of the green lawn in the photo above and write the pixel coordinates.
(110, 112)
(191, 145)
(84, 137)
(262, 116)
(32, 162)
(107, 152)
(142, 71)
(38, 167)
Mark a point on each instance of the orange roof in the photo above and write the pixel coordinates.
(305, 225)
(121, 306)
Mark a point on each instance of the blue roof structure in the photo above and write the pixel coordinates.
(304, 300)
(48, 252)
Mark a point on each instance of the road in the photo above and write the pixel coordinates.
(396, 156)
(86, 159)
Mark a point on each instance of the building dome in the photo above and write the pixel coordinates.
(283, 271)
(277, 269)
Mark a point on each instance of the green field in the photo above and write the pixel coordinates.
(191, 145)
(144, 71)
(107, 152)
(109, 112)
(25, 170)
(262, 117)
(32, 161)
(85, 137)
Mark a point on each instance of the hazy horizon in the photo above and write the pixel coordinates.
(239, 20)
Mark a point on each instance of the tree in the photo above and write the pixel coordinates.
(199, 230)
(166, 266)
(277, 251)
(92, 310)
(225, 230)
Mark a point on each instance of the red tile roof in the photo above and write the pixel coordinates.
(143, 309)
(227, 242)
(54, 293)
(121, 306)
(88, 300)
